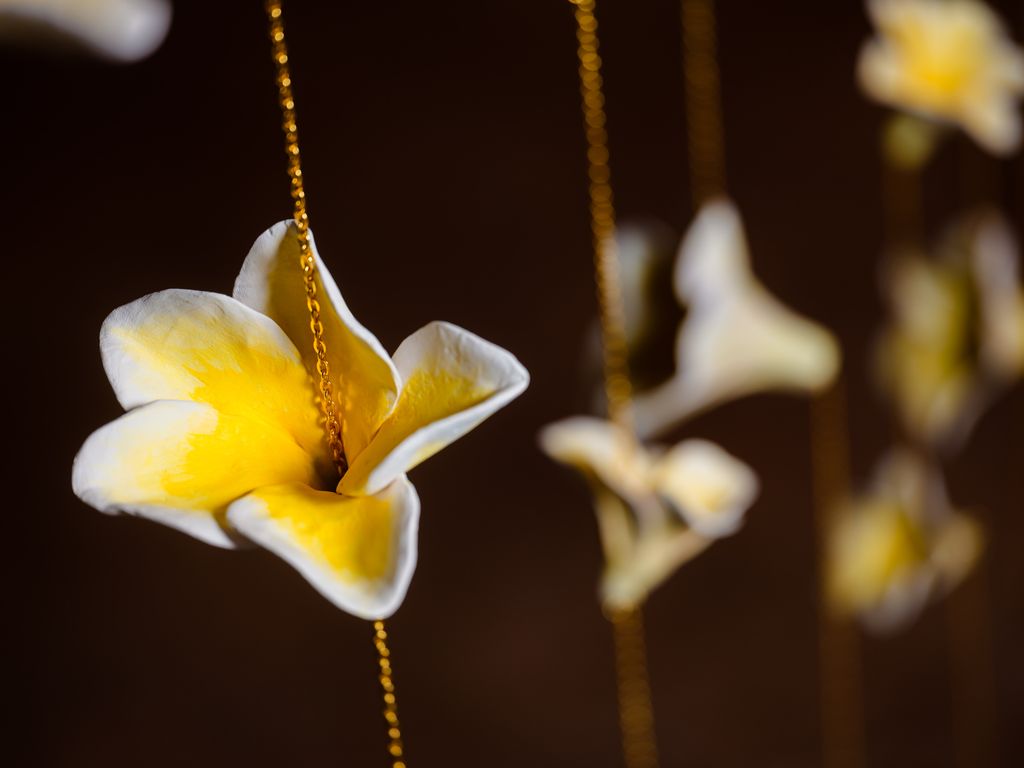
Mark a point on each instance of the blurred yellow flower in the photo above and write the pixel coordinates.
(950, 61)
(899, 545)
(736, 339)
(224, 438)
(657, 508)
(957, 331)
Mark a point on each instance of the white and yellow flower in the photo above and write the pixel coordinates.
(957, 330)
(123, 30)
(657, 508)
(899, 546)
(224, 435)
(737, 339)
(949, 61)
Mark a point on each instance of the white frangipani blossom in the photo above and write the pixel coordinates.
(949, 61)
(736, 339)
(657, 508)
(957, 332)
(224, 435)
(899, 545)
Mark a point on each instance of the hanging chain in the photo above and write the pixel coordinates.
(615, 348)
(309, 276)
(636, 714)
(703, 101)
(387, 685)
(306, 259)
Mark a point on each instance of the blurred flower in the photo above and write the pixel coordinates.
(657, 508)
(736, 339)
(224, 438)
(124, 30)
(957, 332)
(899, 546)
(947, 60)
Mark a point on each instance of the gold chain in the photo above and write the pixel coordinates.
(703, 101)
(309, 273)
(615, 348)
(636, 714)
(387, 684)
(306, 259)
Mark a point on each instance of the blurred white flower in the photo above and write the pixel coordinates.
(947, 60)
(737, 339)
(957, 331)
(656, 508)
(899, 546)
(123, 30)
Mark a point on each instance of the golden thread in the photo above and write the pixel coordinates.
(703, 101)
(615, 348)
(387, 686)
(307, 262)
(636, 714)
(839, 662)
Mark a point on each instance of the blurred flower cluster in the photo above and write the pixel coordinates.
(955, 337)
(659, 506)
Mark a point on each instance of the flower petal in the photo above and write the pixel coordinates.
(208, 348)
(182, 464)
(600, 449)
(124, 30)
(358, 552)
(366, 382)
(710, 489)
(453, 381)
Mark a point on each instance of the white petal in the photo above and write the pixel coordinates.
(126, 30)
(713, 260)
(707, 486)
(600, 449)
(358, 552)
(453, 380)
(365, 379)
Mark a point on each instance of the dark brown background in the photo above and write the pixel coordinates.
(445, 170)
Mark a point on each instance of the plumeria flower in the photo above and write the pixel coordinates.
(123, 30)
(950, 61)
(899, 546)
(657, 508)
(224, 436)
(736, 339)
(957, 331)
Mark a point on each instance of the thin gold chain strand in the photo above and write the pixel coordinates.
(309, 273)
(618, 389)
(636, 715)
(839, 651)
(306, 260)
(703, 101)
(387, 685)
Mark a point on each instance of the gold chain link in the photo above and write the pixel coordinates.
(306, 259)
(703, 101)
(307, 262)
(387, 685)
(615, 347)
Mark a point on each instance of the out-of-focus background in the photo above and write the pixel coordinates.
(446, 178)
